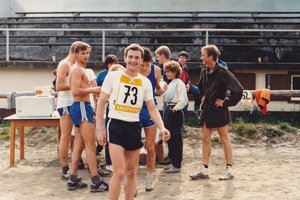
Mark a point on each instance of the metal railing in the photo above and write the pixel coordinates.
(104, 33)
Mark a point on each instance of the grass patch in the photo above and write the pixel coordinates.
(216, 141)
(287, 127)
(242, 129)
(274, 118)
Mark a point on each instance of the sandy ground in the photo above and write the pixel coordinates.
(262, 171)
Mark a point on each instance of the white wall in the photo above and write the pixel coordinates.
(15, 79)
(146, 5)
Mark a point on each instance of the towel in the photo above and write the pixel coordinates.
(262, 97)
(11, 98)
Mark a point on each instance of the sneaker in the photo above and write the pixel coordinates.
(167, 167)
(203, 174)
(172, 169)
(166, 161)
(149, 183)
(183, 130)
(228, 175)
(65, 176)
(103, 172)
(76, 185)
(109, 168)
(100, 187)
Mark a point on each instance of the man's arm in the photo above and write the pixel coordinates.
(99, 120)
(160, 88)
(94, 84)
(61, 74)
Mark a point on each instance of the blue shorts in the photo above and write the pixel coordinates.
(145, 119)
(64, 110)
(81, 111)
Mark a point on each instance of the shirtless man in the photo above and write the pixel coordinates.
(153, 73)
(82, 116)
(126, 91)
(163, 55)
(64, 102)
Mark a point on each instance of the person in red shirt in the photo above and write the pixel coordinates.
(191, 89)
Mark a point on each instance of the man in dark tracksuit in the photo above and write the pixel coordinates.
(219, 89)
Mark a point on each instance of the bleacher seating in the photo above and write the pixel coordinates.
(236, 47)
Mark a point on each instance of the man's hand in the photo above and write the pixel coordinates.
(96, 90)
(163, 86)
(219, 103)
(202, 99)
(165, 134)
(102, 137)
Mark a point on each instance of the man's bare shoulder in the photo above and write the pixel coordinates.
(157, 70)
(77, 70)
(63, 66)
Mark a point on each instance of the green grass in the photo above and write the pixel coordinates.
(274, 118)
(243, 129)
(287, 127)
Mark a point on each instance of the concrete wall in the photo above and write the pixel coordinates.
(145, 5)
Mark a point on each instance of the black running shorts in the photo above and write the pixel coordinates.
(125, 134)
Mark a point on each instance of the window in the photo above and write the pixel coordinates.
(295, 85)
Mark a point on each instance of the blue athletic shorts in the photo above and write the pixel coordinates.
(64, 110)
(145, 119)
(81, 111)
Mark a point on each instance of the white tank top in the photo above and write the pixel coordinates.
(91, 75)
(65, 98)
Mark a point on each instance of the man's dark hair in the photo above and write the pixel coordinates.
(183, 53)
(147, 55)
(110, 59)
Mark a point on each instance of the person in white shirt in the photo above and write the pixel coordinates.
(175, 99)
(126, 91)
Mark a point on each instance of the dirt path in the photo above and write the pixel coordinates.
(261, 172)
